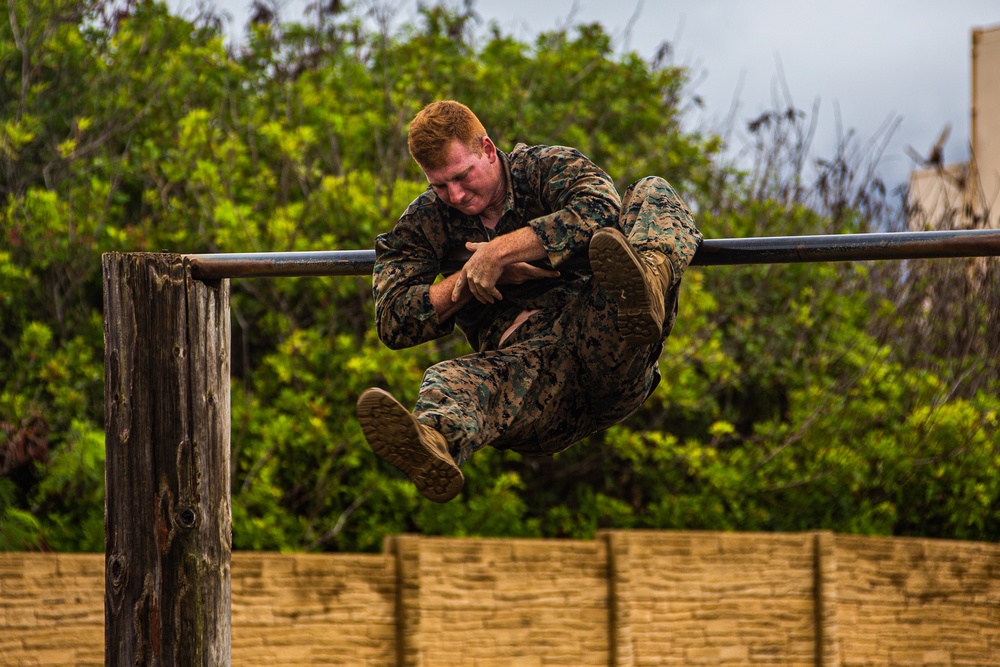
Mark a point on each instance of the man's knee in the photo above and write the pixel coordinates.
(651, 191)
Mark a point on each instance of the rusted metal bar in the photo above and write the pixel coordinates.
(850, 247)
(282, 264)
(713, 252)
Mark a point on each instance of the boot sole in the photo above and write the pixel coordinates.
(392, 434)
(617, 269)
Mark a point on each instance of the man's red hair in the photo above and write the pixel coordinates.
(436, 126)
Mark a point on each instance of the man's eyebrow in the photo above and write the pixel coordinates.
(457, 177)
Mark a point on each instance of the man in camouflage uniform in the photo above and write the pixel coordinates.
(559, 354)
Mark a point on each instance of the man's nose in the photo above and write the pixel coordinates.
(455, 192)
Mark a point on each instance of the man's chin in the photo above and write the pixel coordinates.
(470, 210)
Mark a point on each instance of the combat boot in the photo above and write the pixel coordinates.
(397, 437)
(640, 281)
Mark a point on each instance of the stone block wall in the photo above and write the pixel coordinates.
(626, 599)
(487, 603)
(715, 599)
(918, 602)
(308, 609)
(51, 609)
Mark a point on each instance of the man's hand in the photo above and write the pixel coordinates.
(512, 274)
(522, 272)
(480, 274)
(504, 260)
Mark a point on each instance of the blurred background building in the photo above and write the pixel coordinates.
(965, 195)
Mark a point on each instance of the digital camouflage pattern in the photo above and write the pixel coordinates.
(557, 191)
(566, 372)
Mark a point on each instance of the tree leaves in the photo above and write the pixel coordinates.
(853, 398)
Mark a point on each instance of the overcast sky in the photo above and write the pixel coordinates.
(873, 60)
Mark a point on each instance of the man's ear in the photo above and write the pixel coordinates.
(489, 150)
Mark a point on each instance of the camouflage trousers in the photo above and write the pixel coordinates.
(564, 373)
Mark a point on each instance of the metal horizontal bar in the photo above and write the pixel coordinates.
(282, 264)
(713, 252)
(850, 247)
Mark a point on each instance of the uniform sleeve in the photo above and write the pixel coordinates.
(582, 197)
(406, 264)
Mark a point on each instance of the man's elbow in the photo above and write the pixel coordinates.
(391, 337)
(396, 343)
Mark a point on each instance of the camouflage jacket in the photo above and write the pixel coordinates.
(557, 191)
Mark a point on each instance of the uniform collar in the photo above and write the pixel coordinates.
(508, 204)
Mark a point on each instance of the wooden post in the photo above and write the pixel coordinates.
(167, 520)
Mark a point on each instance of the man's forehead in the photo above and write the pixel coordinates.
(458, 161)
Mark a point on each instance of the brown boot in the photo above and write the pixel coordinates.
(418, 450)
(641, 282)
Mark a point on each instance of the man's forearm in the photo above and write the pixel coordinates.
(522, 245)
(441, 297)
(493, 257)
(483, 270)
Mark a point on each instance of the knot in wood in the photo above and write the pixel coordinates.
(187, 518)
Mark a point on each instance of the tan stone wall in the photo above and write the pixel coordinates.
(918, 602)
(51, 609)
(309, 609)
(718, 599)
(626, 599)
(487, 603)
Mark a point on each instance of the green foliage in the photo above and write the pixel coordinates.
(19, 529)
(793, 397)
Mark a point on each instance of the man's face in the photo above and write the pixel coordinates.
(467, 181)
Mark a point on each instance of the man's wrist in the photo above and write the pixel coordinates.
(441, 297)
